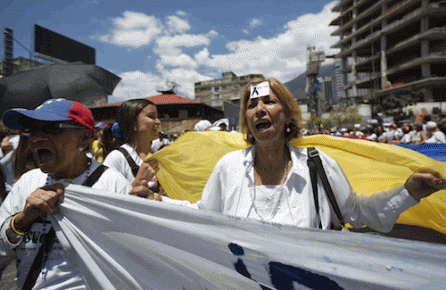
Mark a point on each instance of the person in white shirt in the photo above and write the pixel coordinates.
(391, 135)
(370, 134)
(8, 146)
(408, 133)
(61, 133)
(127, 142)
(356, 131)
(434, 134)
(271, 180)
(202, 126)
(160, 143)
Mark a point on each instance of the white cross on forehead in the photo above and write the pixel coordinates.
(259, 90)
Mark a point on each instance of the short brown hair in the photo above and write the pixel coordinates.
(292, 109)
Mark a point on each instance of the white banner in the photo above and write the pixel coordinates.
(126, 242)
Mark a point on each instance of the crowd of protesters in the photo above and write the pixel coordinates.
(57, 148)
(424, 132)
(16, 156)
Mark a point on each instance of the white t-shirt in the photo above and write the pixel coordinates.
(390, 135)
(157, 144)
(59, 271)
(116, 160)
(408, 137)
(437, 137)
(359, 134)
(372, 137)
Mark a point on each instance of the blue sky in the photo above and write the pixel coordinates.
(150, 42)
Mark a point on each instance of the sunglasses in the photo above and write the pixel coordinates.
(49, 129)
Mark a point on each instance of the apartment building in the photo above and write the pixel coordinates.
(215, 92)
(391, 48)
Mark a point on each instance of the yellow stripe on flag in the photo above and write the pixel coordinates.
(186, 165)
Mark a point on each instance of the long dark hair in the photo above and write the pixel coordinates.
(126, 118)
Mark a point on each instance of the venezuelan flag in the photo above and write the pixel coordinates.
(186, 165)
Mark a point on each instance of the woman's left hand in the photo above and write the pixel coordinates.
(146, 171)
(422, 184)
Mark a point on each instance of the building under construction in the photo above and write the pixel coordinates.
(227, 89)
(391, 50)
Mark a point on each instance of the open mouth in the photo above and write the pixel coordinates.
(262, 127)
(44, 155)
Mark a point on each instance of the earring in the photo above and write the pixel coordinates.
(288, 129)
(134, 129)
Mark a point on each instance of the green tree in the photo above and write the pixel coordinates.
(346, 117)
(342, 118)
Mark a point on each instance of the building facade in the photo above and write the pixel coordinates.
(326, 93)
(337, 86)
(215, 92)
(391, 49)
(176, 113)
(22, 64)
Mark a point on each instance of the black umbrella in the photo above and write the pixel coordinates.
(75, 81)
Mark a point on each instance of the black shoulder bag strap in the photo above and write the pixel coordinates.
(135, 167)
(130, 161)
(313, 176)
(316, 167)
(44, 250)
(91, 180)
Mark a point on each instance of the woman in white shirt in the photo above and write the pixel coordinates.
(434, 134)
(128, 141)
(420, 136)
(271, 180)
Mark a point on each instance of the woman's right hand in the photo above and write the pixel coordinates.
(145, 192)
(43, 200)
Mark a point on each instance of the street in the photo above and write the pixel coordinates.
(7, 281)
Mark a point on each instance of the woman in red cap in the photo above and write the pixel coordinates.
(60, 133)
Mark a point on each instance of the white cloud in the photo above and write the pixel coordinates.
(211, 34)
(133, 29)
(186, 78)
(282, 56)
(177, 25)
(137, 84)
(183, 40)
(202, 56)
(175, 55)
(245, 31)
(182, 60)
(255, 22)
(169, 49)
